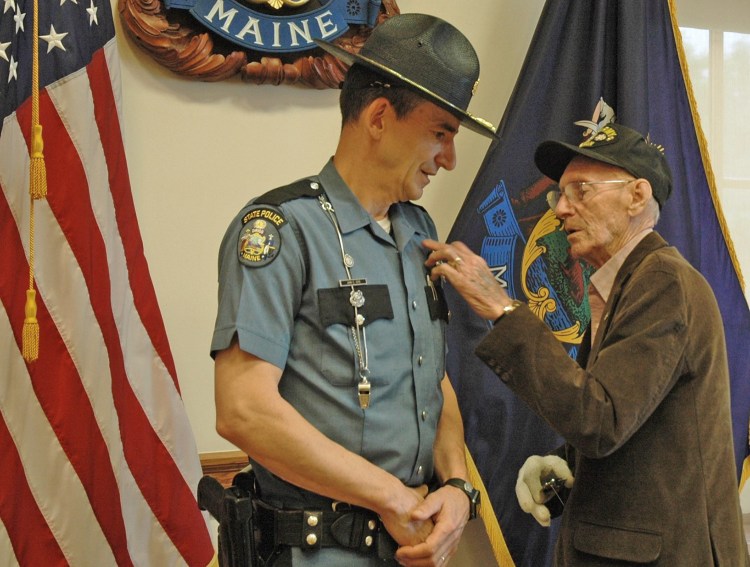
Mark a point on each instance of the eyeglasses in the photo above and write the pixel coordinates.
(576, 191)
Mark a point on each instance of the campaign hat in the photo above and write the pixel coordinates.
(427, 54)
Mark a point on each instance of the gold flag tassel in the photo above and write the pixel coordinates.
(30, 328)
(38, 171)
(37, 190)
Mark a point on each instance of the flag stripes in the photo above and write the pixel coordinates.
(42, 517)
(143, 291)
(103, 459)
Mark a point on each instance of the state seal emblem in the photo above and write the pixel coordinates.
(260, 240)
(262, 41)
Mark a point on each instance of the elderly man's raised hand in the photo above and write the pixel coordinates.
(469, 275)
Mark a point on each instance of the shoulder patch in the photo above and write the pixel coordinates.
(260, 240)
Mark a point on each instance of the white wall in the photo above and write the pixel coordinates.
(198, 151)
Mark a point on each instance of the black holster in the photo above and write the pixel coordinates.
(233, 508)
(253, 533)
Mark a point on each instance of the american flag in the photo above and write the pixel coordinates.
(99, 464)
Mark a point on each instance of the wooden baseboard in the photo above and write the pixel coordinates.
(223, 465)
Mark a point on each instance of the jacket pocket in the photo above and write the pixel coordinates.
(623, 544)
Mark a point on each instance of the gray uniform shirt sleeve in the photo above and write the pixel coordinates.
(273, 289)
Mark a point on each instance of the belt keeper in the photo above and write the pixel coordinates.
(355, 530)
(312, 527)
(369, 534)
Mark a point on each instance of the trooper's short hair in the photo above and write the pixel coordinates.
(363, 85)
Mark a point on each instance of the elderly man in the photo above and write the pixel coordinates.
(645, 411)
(329, 341)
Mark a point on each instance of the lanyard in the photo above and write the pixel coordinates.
(356, 300)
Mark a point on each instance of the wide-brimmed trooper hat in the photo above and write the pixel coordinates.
(427, 54)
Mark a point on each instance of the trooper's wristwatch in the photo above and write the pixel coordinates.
(472, 493)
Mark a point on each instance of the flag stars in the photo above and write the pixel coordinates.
(8, 4)
(3, 48)
(12, 69)
(63, 2)
(92, 14)
(18, 17)
(53, 39)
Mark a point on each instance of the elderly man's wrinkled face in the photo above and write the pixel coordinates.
(595, 216)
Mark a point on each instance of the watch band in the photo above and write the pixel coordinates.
(472, 494)
(509, 309)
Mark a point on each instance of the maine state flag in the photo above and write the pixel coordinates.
(590, 62)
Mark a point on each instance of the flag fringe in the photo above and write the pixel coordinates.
(711, 184)
(710, 178)
(487, 513)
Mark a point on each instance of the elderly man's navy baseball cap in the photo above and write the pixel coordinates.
(616, 145)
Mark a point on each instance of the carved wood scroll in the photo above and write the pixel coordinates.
(178, 42)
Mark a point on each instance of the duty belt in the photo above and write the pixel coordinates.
(352, 528)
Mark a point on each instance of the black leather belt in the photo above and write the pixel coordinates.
(352, 528)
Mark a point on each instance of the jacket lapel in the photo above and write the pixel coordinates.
(652, 242)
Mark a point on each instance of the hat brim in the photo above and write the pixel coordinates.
(552, 157)
(468, 120)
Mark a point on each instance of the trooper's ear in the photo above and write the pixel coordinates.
(376, 115)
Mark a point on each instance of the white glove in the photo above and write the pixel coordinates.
(529, 491)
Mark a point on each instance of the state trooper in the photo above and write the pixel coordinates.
(329, 342)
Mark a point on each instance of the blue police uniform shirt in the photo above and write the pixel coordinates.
(292, 312)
